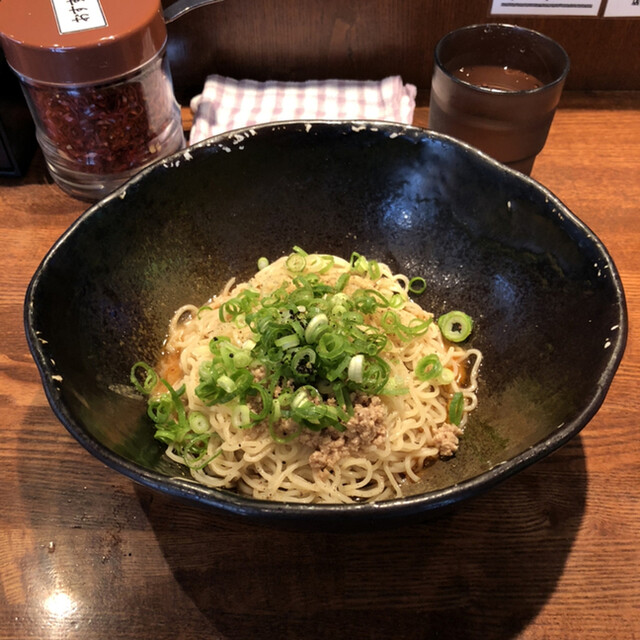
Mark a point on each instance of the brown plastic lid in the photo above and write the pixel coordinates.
(80, 41)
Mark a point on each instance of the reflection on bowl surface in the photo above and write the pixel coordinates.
(547, 301)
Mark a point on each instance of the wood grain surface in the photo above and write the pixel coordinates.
(552, 553)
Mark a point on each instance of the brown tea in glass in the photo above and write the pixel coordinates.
(496, 87)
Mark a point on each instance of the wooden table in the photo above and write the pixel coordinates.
(551, 553)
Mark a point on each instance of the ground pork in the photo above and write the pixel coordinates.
(259, 373)
(364, 429)
(446, 438)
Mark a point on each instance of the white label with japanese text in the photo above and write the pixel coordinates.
(546, 7)
(78, 15)
(622, 9)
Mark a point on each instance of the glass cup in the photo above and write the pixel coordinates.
(496, 87)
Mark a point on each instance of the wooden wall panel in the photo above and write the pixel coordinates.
(303, 39)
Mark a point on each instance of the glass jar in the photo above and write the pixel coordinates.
(98, 84)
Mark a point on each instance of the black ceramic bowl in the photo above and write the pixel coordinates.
(547, 301)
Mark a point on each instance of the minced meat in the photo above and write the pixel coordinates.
(364, 429)
(446, 438)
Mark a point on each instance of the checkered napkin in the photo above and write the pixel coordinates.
(226, 104)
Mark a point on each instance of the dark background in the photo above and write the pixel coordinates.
(371, 39)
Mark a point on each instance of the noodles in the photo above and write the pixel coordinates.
(318, 380)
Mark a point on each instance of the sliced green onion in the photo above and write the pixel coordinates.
(339, 367)
(198, 422)
(263, 263)
(288, 342)
(418, 327)
(198, 464)
(317, 325)
(300, 397)
(242, 358)
(428, 367)
(456, 408)
(150, 378)
(368, 300)
(320, 264)
(296, 262)
(331, 345)
(407, 332)
(356, 368)
(456, 326)
(303, 358)
(359, 263)
(390, 321)
(446, 376)
(226, 383)
(353, 318)
(417, 285)
(266, 399)
(275, 298)
(241, 416)
(180, 427)
(343, 279)
(160, 410)
(340, 299)
(276, 410)
(395, 387)
(374, 269)
(375, 375)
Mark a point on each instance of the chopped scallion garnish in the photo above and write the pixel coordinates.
(198, 422)
(417, 285)
(428, 367)
(314, 345)
(456, 408)
(456, 326)
(356, 368)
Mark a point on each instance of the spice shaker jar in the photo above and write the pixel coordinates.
(98, 84)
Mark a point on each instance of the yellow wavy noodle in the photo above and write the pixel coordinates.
(417, 428)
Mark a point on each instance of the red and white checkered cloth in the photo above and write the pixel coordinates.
(226, 104)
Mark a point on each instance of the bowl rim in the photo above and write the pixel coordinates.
(264, 510)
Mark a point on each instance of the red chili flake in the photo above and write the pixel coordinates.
(107, 129)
